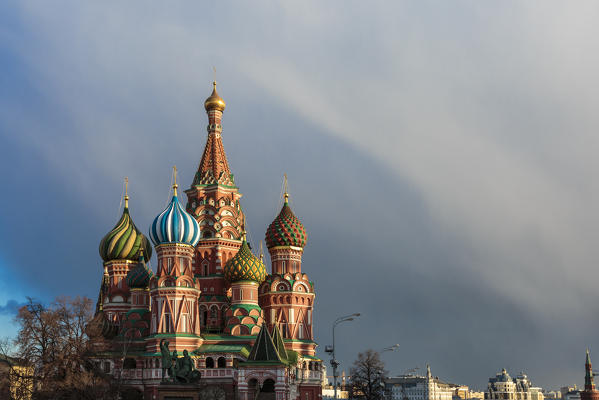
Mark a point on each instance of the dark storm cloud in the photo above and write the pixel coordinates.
(441, 156)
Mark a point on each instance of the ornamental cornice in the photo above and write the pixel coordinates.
(214, 129)
(298, 249)
(119, 262)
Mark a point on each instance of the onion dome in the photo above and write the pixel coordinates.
(214, 102)
(286, 229)
(99, 326)
(245, 266)
(139, 277)
(174, 224)
(124, 241)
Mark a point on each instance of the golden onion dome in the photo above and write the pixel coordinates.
(214, 102)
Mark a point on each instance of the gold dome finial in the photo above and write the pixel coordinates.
(261, 252)
(126, 192)
(175, 186)
(214, 102)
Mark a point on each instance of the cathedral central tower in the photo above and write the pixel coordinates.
(213, 199)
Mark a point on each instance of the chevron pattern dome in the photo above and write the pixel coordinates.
(245, 266)
(286, 230)
(175, 225)
(124, 241)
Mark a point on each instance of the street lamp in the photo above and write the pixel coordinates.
(388, 348)
(331, 349)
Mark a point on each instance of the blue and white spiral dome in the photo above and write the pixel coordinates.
(175, 225)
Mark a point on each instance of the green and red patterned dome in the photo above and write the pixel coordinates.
(286, 229)
(245, 266)
(124, 241)
(139, 277)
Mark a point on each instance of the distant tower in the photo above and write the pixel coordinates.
(174, 292)
(245, 272)
(589, 392)
(213, 199)
(120, 249)
(287, 296)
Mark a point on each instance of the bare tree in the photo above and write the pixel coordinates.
(52, 342)
(367, 376)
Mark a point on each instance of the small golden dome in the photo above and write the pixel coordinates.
(214, 102)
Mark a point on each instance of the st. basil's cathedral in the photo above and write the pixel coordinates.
(248, 333)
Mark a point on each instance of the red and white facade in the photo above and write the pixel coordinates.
(190, 303)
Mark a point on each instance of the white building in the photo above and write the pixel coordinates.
(412, 387)
(504, 387)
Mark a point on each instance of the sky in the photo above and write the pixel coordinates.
(441, 155)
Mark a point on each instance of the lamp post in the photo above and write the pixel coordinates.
(331, 349)
(383, 384)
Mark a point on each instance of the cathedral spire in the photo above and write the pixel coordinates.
(214, 168)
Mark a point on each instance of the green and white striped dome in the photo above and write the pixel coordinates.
(124, 241)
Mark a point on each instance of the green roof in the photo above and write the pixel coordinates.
(224, 348)
(246, 307)
(278, 340)
(140, 311)
(215, 336)
(264, 349)
(311, 357)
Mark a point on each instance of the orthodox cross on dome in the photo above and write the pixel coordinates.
(286, 194)
(126, 192)
(175, 186)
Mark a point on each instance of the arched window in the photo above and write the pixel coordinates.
(209, 362)
(213, 312)
(253, 387)
(205, 269)
(169, 265)
(207, 234)
(167, 323)
(181, 265)
(221, 363)
(129, 363)
(268, 386)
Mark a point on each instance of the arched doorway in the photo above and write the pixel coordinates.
(268, 386)
(253, 387)
(267, 391)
